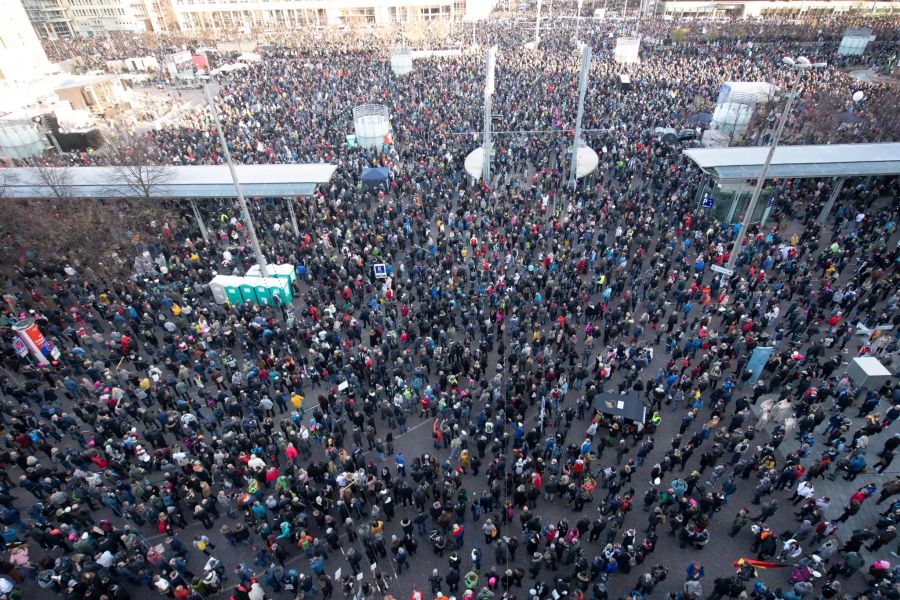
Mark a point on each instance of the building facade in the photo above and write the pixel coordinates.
(775, 8)
(50, 18)
(97, 17)
(53, 19)
(261, 15)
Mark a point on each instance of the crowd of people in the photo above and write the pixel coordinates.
(440, 433)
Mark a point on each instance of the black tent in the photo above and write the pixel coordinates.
(375, 177)
(627, 405)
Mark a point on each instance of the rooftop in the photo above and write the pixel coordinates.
(837, 160)
(84, 81)
(207, 181)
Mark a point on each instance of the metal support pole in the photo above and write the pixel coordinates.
(487, 145)
(41, 121)
(735, 200)
(582, 89)
(578, 19)
(491, 58)
(200, 222)
(838, 185)
(701, 189)
(537, 25)
(290, 205)
(766, 212)
(54, 141)
(761, 180)
(245, 212)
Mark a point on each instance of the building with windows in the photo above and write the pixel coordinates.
(775, 8)
(50, 18)
(160, 17)
(53, 19)
(259, 15)
(97, 17)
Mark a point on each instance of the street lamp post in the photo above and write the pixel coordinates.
(578, 19)
(487, 143)
(799, 65)
(245, 212)
(582, 88)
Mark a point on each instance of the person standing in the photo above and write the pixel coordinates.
(889, 489)
(886, 536)
(851, 509)
(767, 510)
(740, 521)
(804, 491)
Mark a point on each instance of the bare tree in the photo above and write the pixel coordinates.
(135, 160)
(58, 179)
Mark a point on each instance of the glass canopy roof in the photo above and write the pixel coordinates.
(837, 160)
(207, 181)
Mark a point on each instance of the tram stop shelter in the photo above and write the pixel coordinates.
(168, 182)
(732, 172)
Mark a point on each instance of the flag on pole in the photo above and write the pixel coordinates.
(758, 564)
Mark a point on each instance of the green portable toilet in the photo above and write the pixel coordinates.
(232, 287)
(285, 271)
(248, 291)
(281, 288)
(289, 292)
(263, 291)
(288, 272)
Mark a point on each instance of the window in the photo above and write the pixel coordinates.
(356, 16)
(431, 12)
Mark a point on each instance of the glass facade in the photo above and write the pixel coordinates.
(731, 199)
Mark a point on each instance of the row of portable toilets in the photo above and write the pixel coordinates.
(253, 288)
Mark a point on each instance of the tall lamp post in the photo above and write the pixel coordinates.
(582, 88)
(487, 145)
(799, 65)
(245, 212)
(578, 20)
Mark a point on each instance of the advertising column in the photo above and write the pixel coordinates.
(34, 340)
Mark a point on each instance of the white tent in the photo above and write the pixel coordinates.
(229, 68)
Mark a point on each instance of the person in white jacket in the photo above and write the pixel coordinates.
(804, 491)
